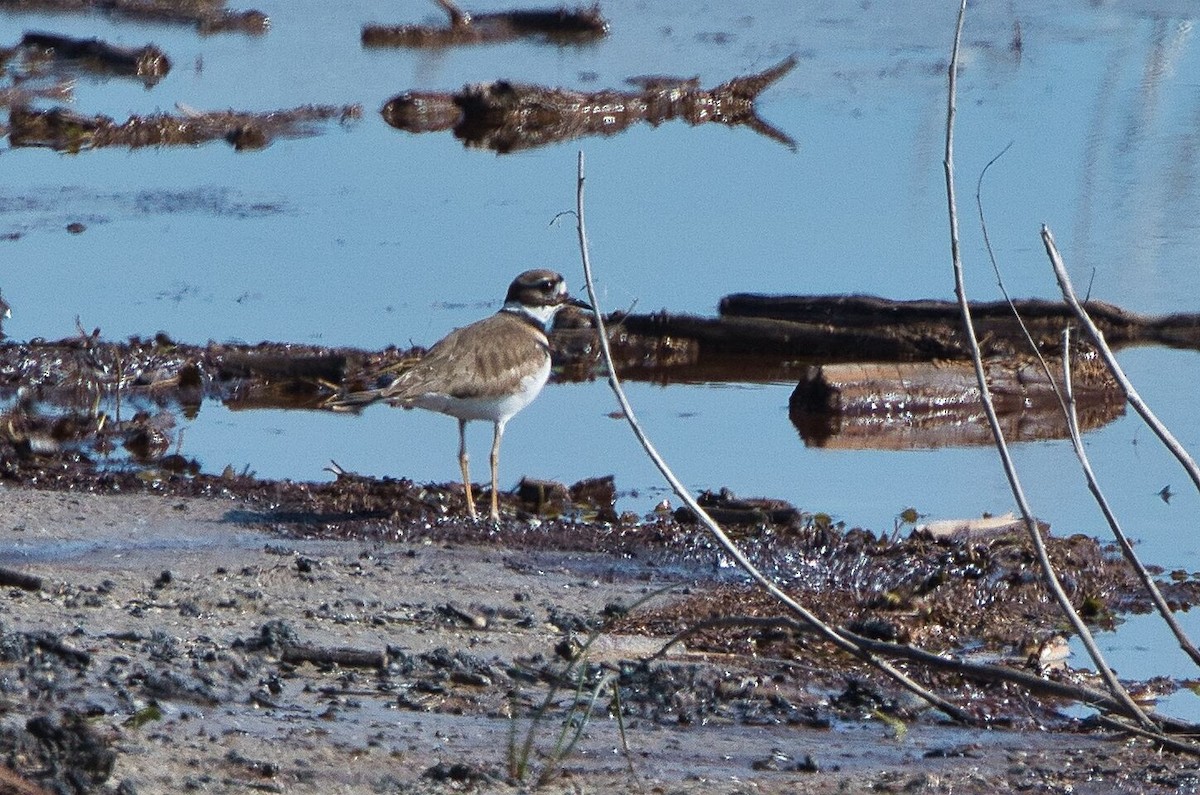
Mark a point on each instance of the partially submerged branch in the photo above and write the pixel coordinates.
(67, 131)
(902, 406)
(508, 117)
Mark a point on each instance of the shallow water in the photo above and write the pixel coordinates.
(367, 236)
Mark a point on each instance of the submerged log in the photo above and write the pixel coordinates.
(508, 117)
(149, 62)
(67, 131)
(559, 25)
(911, 405)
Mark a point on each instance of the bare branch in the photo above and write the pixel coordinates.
(1097, 337)
(1093, 485)
(1122, 697)
(1067, 403)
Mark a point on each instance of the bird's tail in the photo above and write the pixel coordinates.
(354, 401)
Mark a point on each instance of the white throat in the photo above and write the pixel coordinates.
(542, 315)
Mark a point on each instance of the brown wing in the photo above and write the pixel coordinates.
(487, 358)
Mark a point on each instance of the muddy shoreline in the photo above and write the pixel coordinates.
(228, 643)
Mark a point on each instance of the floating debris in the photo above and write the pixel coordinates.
(508, 117)
(67, 131)
(559, 25)
(208, 16)
(149, 62)
(921, 405)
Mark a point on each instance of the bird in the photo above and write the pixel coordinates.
(488, 370)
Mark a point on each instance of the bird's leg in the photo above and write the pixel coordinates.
(463, 461)
(497, 434)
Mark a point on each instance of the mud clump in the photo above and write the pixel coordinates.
(61, 751)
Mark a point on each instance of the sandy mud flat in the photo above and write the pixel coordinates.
(175, 644)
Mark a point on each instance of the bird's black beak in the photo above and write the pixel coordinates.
(575, 302)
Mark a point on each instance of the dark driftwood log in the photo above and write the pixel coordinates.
(939, 322)
(936, 404)
(507, 117)
(759, 337)
(769, 337)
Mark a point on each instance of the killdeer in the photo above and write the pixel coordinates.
(488, 370)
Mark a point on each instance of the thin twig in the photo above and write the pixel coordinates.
(824, 630)
(985, 396)
(987, 244)
(1126, 547)
(1097, 337)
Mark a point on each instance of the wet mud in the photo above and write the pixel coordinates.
(227, 633)
(509, 117)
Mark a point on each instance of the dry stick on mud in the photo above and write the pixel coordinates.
(1093, 485)
(1122, 697)
(828, 633)
(1068, 406)
(1097, 337)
